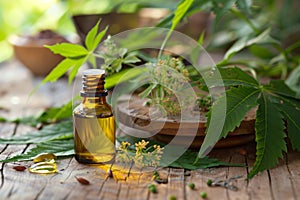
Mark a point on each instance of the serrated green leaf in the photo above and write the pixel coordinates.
(290, 109)
(231, 77)
(270, 136)
(50, 115)
(238, 102)
(279, 87)
(186, 161)
(62, 130)
(68, 50)
(60, 148)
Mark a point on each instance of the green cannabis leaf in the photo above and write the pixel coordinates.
(59, 147)
(48, 116)
(62, 130)
(290, 110)
(277, 104)
(55, 138)
(186, 162)
(269, 136)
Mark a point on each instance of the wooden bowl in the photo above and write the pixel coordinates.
(33, 55)
(134, 120)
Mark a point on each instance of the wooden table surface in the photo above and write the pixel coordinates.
(282, 182)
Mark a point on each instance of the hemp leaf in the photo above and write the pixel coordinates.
(277, 104)
(61, 148)
(50, 115)
(62, 130)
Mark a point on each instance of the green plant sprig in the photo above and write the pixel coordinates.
(75, 55)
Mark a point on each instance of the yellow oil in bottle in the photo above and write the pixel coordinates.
(94, 139)
(94, 124)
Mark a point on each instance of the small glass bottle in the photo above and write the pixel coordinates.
(94, 123)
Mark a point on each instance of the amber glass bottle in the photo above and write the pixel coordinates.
(93, 119)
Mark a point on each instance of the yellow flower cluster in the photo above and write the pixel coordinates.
(143, 156)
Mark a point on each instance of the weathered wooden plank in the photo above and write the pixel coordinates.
(176, 183)
(259, 186)
(293, 166)
(195, 177)
(110, 190)
(281, 185)
(139, 179)
(17, 185)
(200, 177)
(61, 184)
(241, 183)
(162, 189)
(6, 129)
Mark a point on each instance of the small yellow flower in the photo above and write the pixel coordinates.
(142, 145)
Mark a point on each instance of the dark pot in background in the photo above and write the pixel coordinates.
(117, 22)
(146, 17)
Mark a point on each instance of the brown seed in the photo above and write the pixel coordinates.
(243, 152)
(83, 181)
(19, 168)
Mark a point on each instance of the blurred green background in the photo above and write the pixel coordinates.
(30, 16)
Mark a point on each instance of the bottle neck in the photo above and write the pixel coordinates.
(93, 101)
